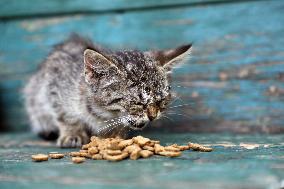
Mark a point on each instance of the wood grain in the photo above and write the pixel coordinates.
(237, 161)
(237, 65)
(27, 8)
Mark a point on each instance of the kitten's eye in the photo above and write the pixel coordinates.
(147, 89)
(116, 100)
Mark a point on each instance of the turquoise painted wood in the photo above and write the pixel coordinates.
(229, 166)
(236, 68)
(14, 8)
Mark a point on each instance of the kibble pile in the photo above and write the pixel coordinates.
(116, 149)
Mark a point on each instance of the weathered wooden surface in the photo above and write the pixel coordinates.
(18, 9)
(235, 76)
(236, 162)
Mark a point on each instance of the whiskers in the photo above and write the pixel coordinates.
(164, 116)
(112, 125)
(181, 105)
(178, 108)
(179, 114)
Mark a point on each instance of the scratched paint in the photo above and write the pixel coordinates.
(225, 167)
(39, 24)
(232, 67)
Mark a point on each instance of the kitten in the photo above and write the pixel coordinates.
(82, 90)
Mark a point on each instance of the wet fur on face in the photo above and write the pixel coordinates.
(87, 90)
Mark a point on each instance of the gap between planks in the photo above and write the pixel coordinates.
(32, 15)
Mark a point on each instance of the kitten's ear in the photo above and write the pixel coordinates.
(96, 65)
(173, 57)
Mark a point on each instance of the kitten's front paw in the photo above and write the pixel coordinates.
(72, 141)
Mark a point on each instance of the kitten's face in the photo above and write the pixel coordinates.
(131, 84)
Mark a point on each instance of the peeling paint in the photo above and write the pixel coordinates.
(249, 146)
(174, 22)
(34, 25)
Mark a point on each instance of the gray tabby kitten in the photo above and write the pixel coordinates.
(82, 90)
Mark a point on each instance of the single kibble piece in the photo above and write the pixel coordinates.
(74, 154)
(174, 145)
(103, 152)
(131, 148)
(84, 154)
(199, 147)
(93, 150)
(206, 149)
(78, 159)
(153, 142)
(85, 147)
(194, 146)
(171, 148)
(146, 153)
(184, 147)
(141, 141)
(116, 157)
(170, 153)
(158, 148)
(39, 157)
(146, 147)
(93, 143)
(102, 146)
(56, 155)
(113, 145)
(135, 154)
(125, 143)
(113, 152)
(94, 138)
(97, 157)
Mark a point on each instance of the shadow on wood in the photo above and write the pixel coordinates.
(3, 124)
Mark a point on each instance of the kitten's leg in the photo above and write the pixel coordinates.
(38, 109)
(72, 136)
(44, 126)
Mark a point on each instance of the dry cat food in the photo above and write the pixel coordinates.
(198, 147)
(56, 155)
(78, 159)
(39, 157)
(117, 149)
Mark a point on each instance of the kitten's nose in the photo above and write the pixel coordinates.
(152, 112)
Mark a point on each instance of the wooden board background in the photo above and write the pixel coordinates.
(235, 79)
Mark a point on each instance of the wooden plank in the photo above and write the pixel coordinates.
(240, 44)
(15, 121)
(12, 8)
(238, 161)
(214, 45)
